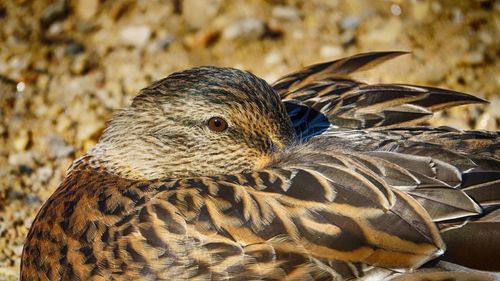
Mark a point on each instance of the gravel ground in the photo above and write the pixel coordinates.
(65, 65)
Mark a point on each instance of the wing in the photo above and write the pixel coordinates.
(454, 175)
(322, 94)
(305, 221)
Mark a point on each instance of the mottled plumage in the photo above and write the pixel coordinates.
(318, 177)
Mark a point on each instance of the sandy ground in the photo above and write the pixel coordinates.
(65, 65)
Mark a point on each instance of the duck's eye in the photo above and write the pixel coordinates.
(217, 124)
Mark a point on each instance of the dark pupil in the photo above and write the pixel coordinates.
(217, 122)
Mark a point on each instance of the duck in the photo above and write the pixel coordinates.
(213, 174)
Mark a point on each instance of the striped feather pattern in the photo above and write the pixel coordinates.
(346, 103)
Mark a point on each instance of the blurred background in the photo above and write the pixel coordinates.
(66, 65)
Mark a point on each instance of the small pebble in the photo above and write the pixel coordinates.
(348, 38)
(198, 14)
(387, 33)
(58, 148)
(420, 10)
(495, 106)
(32, 199)
(74, 48)
(273, 58)
(20, 86)
(80, 65)
(23, 158)
(86, 9)
(474, 58)
(286, 13)
(89, 129)
(349, 22)
(135, 35)
(43, 174)
(330, 51)
(25, 169)
(54, 12)
(246, 29)
(396, 9)
(486, 122)
(162, 43)
(21, 142)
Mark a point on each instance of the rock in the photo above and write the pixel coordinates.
(55, 30)
(88, 145)
(74, 48)
(273, 58)
(18, 62)
(395, 9)
(486, 38)
(201, 39)
(198, 14)
(161, 43)
(8, 272)
(58, 148)
(32, 199)
(88, 129)
(43, 174)
(495, 106)
(3, 12)
(349, 22)
(86, 9)
(23, 158)
(330, 51)
(80, 64)
(111, 95)
(20, 86)
(42, 81)
(433, 74)
(486, 122)
(245, 29)
(54, 12)
(18, 249)
(458, 16)
(21, 142)
(28, 222)
(436, 7)
(420, 10)
(63, 123)
(135, 35)
(348, 38)
(386, 33)
(457, 123)
(285, 13)
(474, 58)
(25, 169)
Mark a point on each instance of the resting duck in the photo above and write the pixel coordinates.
(213, 174)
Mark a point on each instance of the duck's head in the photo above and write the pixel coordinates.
(198, 122)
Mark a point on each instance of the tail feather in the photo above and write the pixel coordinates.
(475, 244)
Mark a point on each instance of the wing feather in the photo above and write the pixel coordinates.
(341, 67)
(326, 90)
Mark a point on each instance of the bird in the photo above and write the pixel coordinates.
(213, 174)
